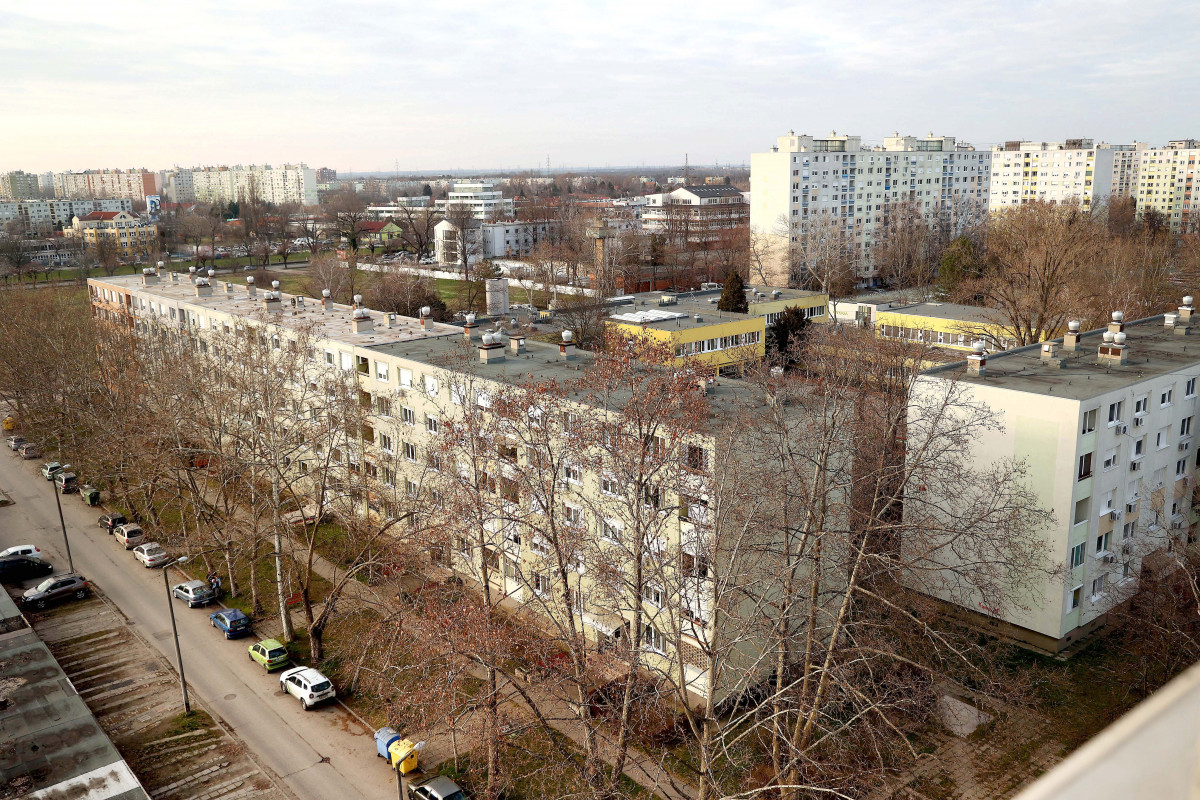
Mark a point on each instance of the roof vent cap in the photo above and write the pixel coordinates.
(1118, 316)
(325, 293)
(1187, 300)
(275, 285)
(567, 336)
(1108, 337)
(425, 311)
(978, 347)
(1073, 326)
(1119, 338)
(249, 280)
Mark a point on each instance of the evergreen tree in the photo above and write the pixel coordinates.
(733, 296)
(787, 330)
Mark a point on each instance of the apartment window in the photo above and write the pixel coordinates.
(1185, 427)
(693, 566)
(431, 386)
(539, 584)
(408, 416)
(1189, 389)
(610, 486)
(1162, 438)
(410, 487)
(406, 378)
(1085, 466)
(572, 473)
(329, 358)
(347, 361)
(1102, 542)
(573, 515)
(697, 458)
(381, 371)
(383, 406)
(1081, 510)
(653, 640)
(1139, 446)
(653, 595)
(389, 476)
(539, 546)
(1089, 420)
(1098, 585)
(385, 443)
(1111, 458)
(1114, 412)
(1140, 405)
(611, 529)
(1180, 467)
(1077, 554)
(1127, 530)
(410, 451)
(464, 547)
(431, 424)
(1076, 597)
(1166, 397)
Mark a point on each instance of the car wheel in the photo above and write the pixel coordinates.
(82, 593)
(212, 622)
(304, 705)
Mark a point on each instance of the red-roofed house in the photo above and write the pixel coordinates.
(132, 238)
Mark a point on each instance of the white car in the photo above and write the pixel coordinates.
(305, 683)
(129, 535)
(151, 554)
(22, 550)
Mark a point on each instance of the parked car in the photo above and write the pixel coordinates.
(54, 589)
(195, 593)
(52, 468)
(230, 622)
(270, 653)
(29, 450)
(20, 568)
(66, 482)
(130, 535)
(22, 550)
(14, 442)
(437, 788)
(306, 684)
(151, 554)
(112, 520)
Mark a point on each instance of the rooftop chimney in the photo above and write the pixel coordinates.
(492, 348)
(251, 292)
(425, 312)
(149, 276)
(272, 301)
(391, 320)
(566, 350)
(203, 289)
(361, 320)
(977, 360)
(1113, 350)
(1186, 310)
(228, 287)
(1071, 339)
(325, 301)
(469, 327)
(517, 343)
(1050, 356)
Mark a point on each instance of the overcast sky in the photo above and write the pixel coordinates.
(362, 85)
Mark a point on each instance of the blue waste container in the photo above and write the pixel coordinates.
(383, 740)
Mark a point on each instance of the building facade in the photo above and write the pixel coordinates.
(696, 213)
(109, 183)
(44, 215)
(19, 185)
(128, 235)
(289, 183)
(1165, 180)
(1104, 423)
(808, 188)
(483, 199)
(1051, 172)
(508, 239)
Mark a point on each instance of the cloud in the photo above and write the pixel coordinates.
(483, 84)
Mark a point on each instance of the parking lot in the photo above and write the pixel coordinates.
(136, 698)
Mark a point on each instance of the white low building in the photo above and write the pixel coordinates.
(485, 201)
(509, 239)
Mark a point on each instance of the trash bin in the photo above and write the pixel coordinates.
(9, 424)
(89, 494)
(383, 740)
(403, 755)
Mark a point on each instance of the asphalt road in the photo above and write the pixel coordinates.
(323, 754)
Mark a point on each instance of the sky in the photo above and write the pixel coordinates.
(366, 86)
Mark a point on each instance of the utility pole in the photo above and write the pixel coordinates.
(61, 521)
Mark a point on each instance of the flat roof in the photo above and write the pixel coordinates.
(1153, 350)
(935, 310)
(333, 322)
(54, 746)
(648, 309)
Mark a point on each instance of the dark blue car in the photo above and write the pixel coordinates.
(231, 622)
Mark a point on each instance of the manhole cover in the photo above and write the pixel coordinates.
(230, 696)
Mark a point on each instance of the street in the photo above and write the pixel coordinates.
(320, 754)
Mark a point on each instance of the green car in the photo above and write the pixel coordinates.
(270, 653)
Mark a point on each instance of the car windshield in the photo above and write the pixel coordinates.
(237, 622)
(278, 652)
(44, 585)
(456, 796)
(320, 686)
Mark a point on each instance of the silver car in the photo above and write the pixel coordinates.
(151, 554)
(195, 593)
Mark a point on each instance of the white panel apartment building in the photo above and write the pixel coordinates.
(45, 214)
(803, 179)
(484, 199)
(1165, 181)
(290, 183)
(133, 184)
(1105, 424)
(1053, 172)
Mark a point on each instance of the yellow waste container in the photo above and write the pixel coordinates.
(9, 423)
(403, 755)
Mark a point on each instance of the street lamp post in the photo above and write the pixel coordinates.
(187, 706)
(61, 521)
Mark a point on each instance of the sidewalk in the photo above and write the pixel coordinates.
(640, 767)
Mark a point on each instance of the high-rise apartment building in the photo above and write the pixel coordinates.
(133, 184)
(290, 183)
(19, 185)
(1052, 172)
(1105, 425)
(43, 215)
(839, 186)
(1126, 160)
(1166, 177)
